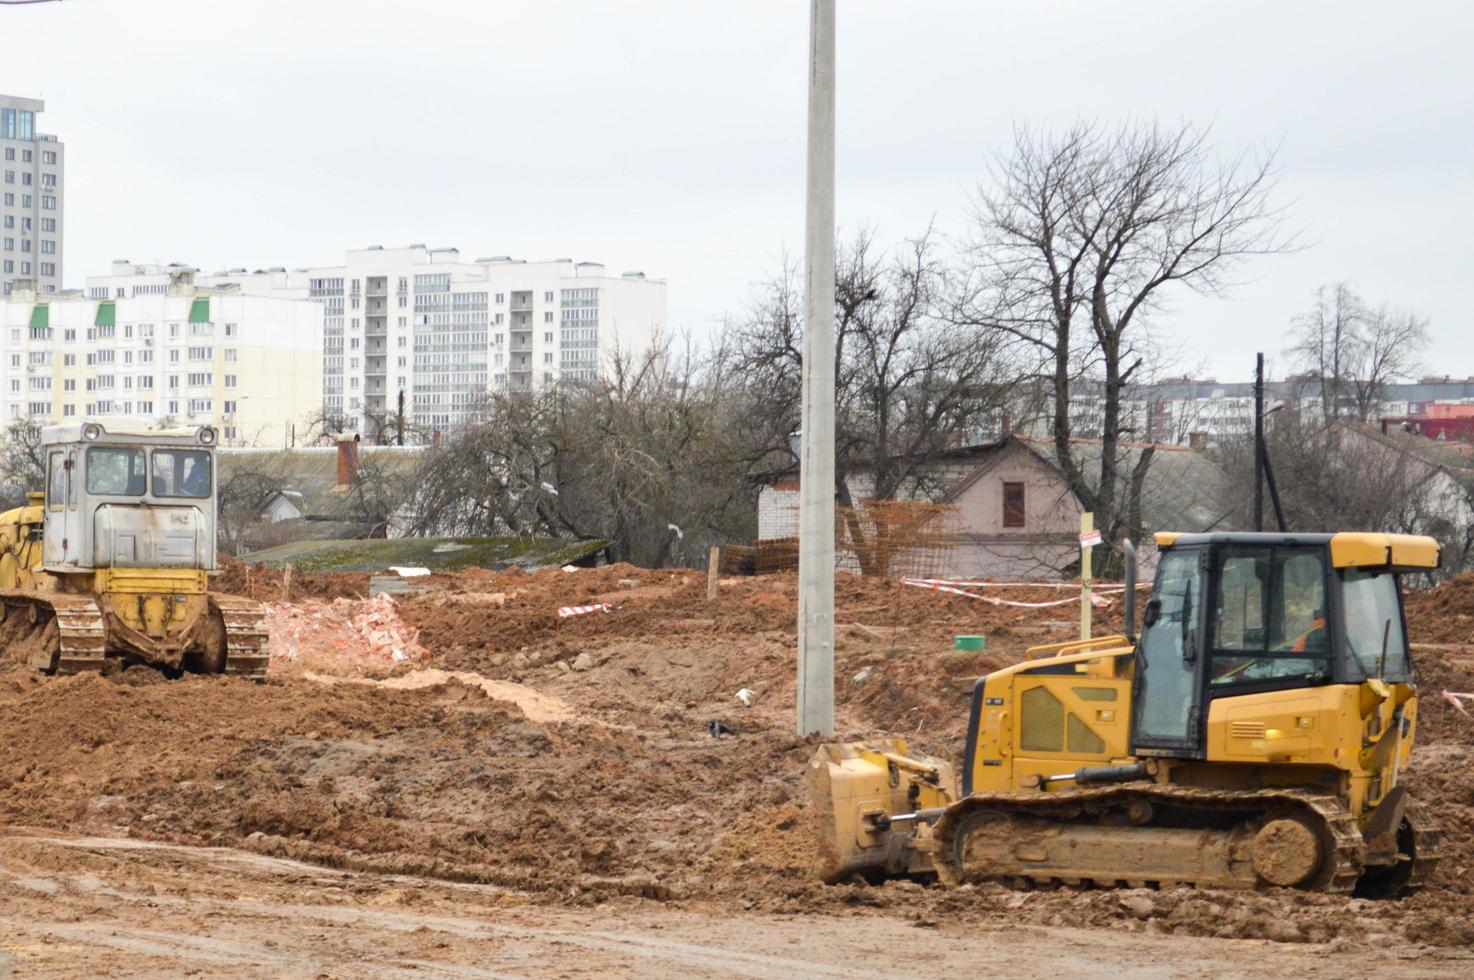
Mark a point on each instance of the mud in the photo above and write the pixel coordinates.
(264, 584)
(570, 761)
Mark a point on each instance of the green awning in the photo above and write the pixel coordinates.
(107, 314)
(199, 310)
(40, 316)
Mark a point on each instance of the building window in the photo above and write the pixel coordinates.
(1013, 505)
(48, 156)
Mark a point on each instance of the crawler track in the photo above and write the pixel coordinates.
(81, 637)
(1194, 837)
(80, 642)
(247, 645)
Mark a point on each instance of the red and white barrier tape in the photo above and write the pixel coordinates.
(1099, 601)
(960, 583)
(1456, 699)
(567, 611)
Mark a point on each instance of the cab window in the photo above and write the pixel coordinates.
(1269, 616)
(1374, 622)
(181, 473)
(112, 470)
(56, 480)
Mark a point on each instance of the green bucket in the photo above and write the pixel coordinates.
(969, 642)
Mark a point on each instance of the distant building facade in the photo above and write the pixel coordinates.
(421, 328)
(250, 365)
(1182, 410)
(32, 165)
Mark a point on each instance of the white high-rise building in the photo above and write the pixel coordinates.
(420, 328)
(31, 195)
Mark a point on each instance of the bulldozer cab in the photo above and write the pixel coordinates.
(128, 497)
(1235, 614)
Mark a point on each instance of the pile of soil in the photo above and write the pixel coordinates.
(607, 783)
(264, 584)
(1444, 613)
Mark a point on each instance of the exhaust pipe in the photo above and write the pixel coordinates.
(1129, 606)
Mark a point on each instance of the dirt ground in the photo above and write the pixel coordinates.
(531, 794)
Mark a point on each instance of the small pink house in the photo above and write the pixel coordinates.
(1015, 516)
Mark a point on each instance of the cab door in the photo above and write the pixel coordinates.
(61, 542)
(1166, 703)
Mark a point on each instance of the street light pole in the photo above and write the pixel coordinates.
(816, 463)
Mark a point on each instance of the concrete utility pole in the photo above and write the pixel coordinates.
(816, 462)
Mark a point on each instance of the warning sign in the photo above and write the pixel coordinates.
(1090, 539)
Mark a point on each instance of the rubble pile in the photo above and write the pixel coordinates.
(359, 632)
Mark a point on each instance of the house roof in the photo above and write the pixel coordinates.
(308, 476)
(1450, 458)
(1183, 491)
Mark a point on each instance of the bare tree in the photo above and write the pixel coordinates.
(1342, 475)
(394, 426)
(22, 466)
(648, 458)
(910, 383)
(324, 425)
(1350, 350)
(1080, 238)
(244, 496)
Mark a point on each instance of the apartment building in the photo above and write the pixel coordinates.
(250, 365)
(422, 329)
(31, 199)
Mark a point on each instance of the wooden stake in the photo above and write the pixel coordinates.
(286, 583)
(713, 569)
(1087, 524)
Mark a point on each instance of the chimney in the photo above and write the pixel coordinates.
(435, 439)
(347, 462)
(1005, 427)
(1197, 441)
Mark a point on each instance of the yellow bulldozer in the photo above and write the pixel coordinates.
(112, 559)
(1251, 735)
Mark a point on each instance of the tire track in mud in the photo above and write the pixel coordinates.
(214, 950)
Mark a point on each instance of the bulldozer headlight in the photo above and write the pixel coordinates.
(206, 435)
(91, 431)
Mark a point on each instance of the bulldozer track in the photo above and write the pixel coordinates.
(1429, 845)
(82, 636)
(247, 645)
(82, 631)
(1338, 828)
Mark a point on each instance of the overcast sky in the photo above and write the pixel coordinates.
(668, 135)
